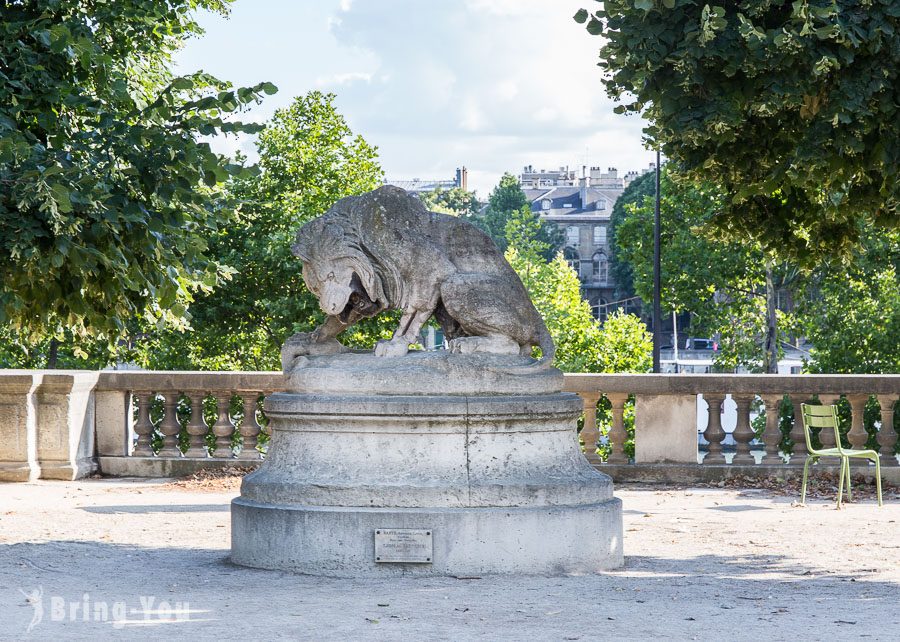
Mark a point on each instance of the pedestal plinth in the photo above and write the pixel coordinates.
(477, 455)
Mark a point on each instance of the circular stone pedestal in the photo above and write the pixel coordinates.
(493, 483)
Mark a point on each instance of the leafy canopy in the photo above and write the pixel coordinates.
(454, 201)
(791, 108)
(850, 310)
(308, 159)
(721, 282)
(107, 193)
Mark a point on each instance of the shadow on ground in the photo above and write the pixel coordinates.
(702, 597)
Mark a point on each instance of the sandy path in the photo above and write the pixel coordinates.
(700, 564)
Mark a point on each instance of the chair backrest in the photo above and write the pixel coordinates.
(824, 417)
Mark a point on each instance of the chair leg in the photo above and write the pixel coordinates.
(849, 494)
(805, 474)
(878, 480)
(841, 483)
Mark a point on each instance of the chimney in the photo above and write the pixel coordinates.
(583, 184)
(462, 178)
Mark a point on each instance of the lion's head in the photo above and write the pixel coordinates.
(338, 271)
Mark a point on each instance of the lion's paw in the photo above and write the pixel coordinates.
(304, 344)
(391, 348)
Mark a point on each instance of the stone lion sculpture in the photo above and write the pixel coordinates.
(383, 250)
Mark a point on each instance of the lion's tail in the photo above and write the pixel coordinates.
(548, 348)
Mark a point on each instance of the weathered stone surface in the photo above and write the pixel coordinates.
(425, 451)
(17, 428)
(665, 429)
(498, 478)
(476, 446)
(65, 420)
(336, 541)
(384, 251)
(438, 372)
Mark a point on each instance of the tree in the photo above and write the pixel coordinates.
(637, 190)
(108, 194)
(728, 286)
(455, 201)
(850, 310)
(582, 345)
(790, 108)
(308, 159)
(507, 199)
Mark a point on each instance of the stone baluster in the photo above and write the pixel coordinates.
(617, 434)
(887, 436)
(826, 435)
(743, 433)
(250, 427)
(772, 432)
(714, 433)
(798, 455)
(169, 426)
(589, 433)
(858, 435)
(197, 427)
(223, 428)
(264, 427)
(144, 427)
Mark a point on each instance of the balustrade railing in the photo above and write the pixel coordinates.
(668, 413)
(62, 424)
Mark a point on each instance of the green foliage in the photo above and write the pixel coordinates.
(637, 190)
(721, 282)
(108, 196)
(308, 158)
(622, 344)
(455, 201)
(851, 309)
(791, 108)
(505, 201)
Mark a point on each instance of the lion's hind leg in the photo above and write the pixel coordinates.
(481, 306)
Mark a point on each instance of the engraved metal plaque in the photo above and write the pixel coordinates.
(403, 545)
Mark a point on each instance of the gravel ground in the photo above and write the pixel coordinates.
(701, 563)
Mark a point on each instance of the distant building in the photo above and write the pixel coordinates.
(531, 178)
(418, 185)
(581, 208)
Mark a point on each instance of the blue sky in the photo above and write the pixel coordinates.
(489, 84)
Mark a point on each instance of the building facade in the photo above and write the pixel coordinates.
(582, 209)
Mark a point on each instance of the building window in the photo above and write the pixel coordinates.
(545, 204)
(572, 258)
(601, 267)
(573, 236)
(601, 204)
(599, 235)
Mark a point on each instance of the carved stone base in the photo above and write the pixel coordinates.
(498, 479)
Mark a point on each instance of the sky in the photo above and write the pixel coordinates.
(493, 85)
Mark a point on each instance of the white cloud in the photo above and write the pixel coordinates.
(345, 78)
(490, 84)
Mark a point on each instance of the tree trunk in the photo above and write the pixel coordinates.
(51, 356)
(770, 358)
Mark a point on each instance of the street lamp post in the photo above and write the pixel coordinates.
(657, 307)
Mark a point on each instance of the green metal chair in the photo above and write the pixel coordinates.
(825, 417)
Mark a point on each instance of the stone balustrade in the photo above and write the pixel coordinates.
(66, 424)
(668, 408)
